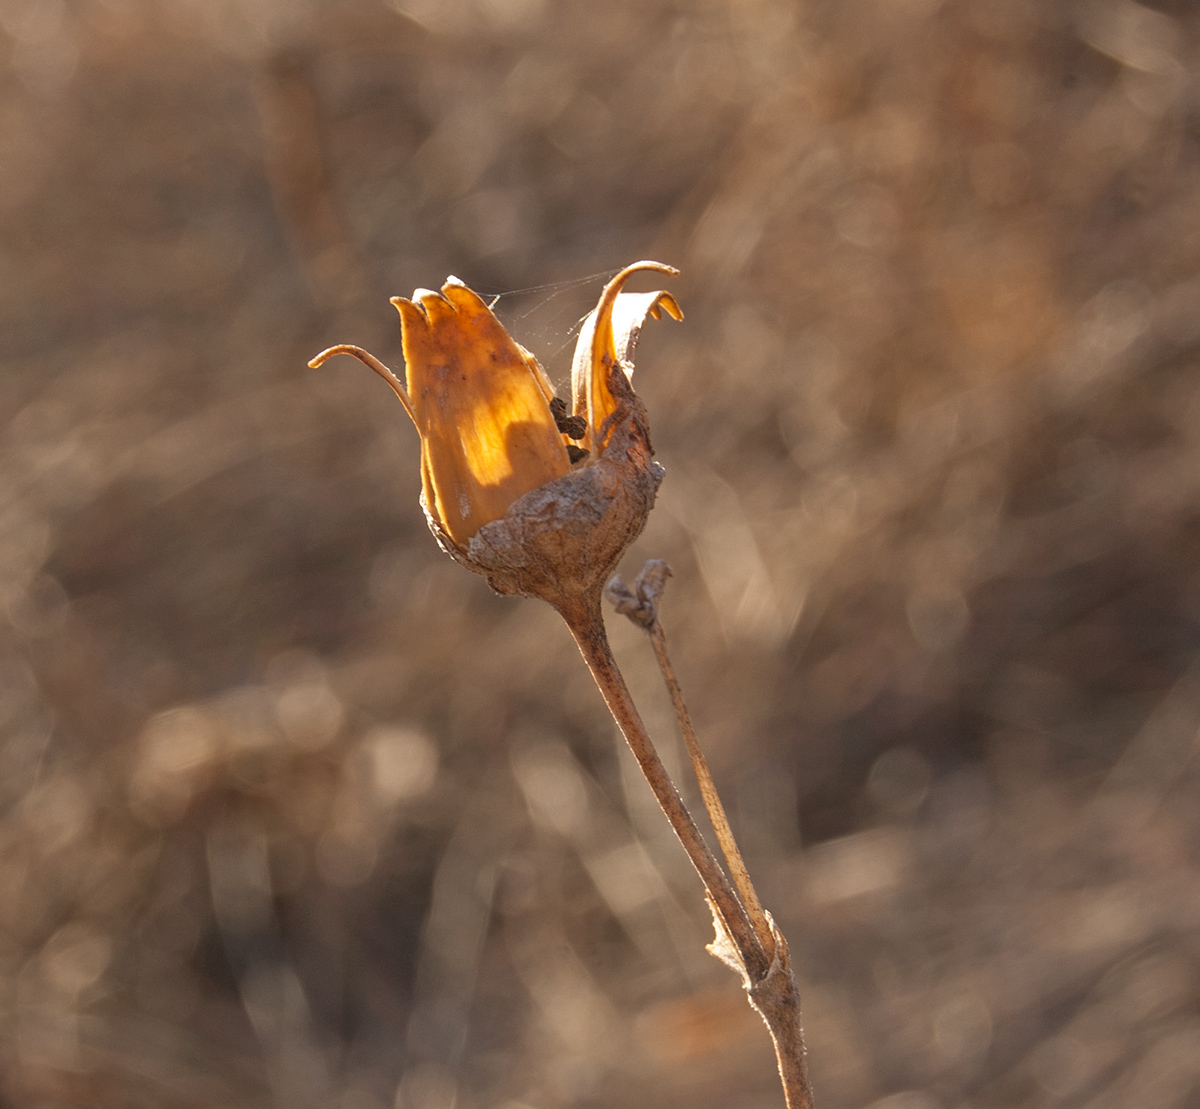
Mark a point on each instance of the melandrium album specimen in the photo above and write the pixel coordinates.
(543, 496)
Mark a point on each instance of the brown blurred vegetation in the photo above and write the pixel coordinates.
(293, 812)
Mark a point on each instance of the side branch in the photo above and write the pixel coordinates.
(772, 993)
(587, 626)
(712, 801)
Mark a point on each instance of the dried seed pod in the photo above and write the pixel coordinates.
(503, 490)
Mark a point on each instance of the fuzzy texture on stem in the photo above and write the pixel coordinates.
(776, 999)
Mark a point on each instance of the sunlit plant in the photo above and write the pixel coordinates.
(543, 498)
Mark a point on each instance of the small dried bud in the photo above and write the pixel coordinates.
(640, 603)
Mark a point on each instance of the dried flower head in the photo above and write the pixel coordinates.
(541, 502)
(544, 503)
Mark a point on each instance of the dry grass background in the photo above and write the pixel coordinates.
(294, 813)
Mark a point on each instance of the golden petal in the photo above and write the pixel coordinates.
(487, 433)
(607, 340)
(535, 367)
(437, 308)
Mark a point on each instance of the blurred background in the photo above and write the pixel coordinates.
(294, 812)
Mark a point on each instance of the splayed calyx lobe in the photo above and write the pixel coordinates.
(607, 339)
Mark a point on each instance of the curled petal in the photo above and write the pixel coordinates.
(607, 343)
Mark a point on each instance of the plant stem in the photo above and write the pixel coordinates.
(712, 801)
(587, 626)
(773, 994)
(777, 1001)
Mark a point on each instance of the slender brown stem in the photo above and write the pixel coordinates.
(587, 626)
(773, 994)
(778, 1002)
(712, 802)
(368, 359)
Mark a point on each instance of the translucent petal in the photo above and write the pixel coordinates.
(487, 433)
(608, 340)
